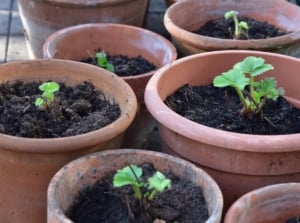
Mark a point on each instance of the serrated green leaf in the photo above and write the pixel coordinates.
(125, 176)
(159, 182)
(253, 66)
(233, 78)
(268, 87)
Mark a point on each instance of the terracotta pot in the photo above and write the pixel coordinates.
(27, 165)
(116, 39)
(189, 15)
(170, 2)
(271, 204)
(238, 162)
(85, 171)
(42, 18)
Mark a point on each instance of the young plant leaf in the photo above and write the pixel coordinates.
(268, 87)
(233, 78)
(103, 62)
(127, 176)
(159, 182)
(253, 66)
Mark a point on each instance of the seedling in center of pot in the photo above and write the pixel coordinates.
(103, 62)
(239, 26)
(242, 75)
(48, 89)
(144, 191)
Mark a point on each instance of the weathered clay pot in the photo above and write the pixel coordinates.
(271, 204)
(170, 2)
(40, 18)
(85, 171)
(81, 41)
(188, 15)
(238, 162)
(27, 165)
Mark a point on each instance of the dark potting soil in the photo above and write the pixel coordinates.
(221, 108)
(294, 220)
(75, 110)
(102, 203)
(224, 29)
(126, 66)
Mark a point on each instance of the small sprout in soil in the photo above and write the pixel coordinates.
(103, 62)
(144, 191)
(131, 175)
(239, 26)
(48, 89)
(257, 93)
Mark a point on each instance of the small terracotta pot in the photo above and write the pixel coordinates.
(81, 41)
(42, 18)
(26, 164)
(85, 171)
(189, 15)
(271, 204)
(238, 162)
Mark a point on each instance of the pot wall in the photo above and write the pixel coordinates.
(229, 157)
(271, 204)
(188, 15)
(86, 170)
(42, 18)
(27, 165)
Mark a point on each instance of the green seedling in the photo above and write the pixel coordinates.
(103, 62)
(242, 75)
(239, 26)
(48, 89)
(131, 175)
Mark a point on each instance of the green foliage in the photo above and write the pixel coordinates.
(241, 75)
(131, 175)
(48, 89)
(239, 26)
(103, 62)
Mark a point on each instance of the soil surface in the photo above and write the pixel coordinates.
(224, 29)
(184, 203)
(294, 220)
(75, 110)
(221, 108)
(126, 66)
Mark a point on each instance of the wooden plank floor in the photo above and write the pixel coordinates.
(12, 41)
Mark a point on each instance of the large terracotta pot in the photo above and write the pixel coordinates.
(238, 162)
(27, 165)
(40, 18)
(271, 204)
(81, 41)
(85, 171)
(188, 15)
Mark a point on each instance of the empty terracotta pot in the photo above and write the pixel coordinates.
(271, 204)
(82, 41)
(85, 171)
(238, 162)
(186, 16)
(28, 164)
(42, 18)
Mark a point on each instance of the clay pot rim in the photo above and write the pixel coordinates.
(53, 205)
(84, 3)
(212, 43)
(257, 196)
(115, 26)
(208, 135)
(49, 145)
